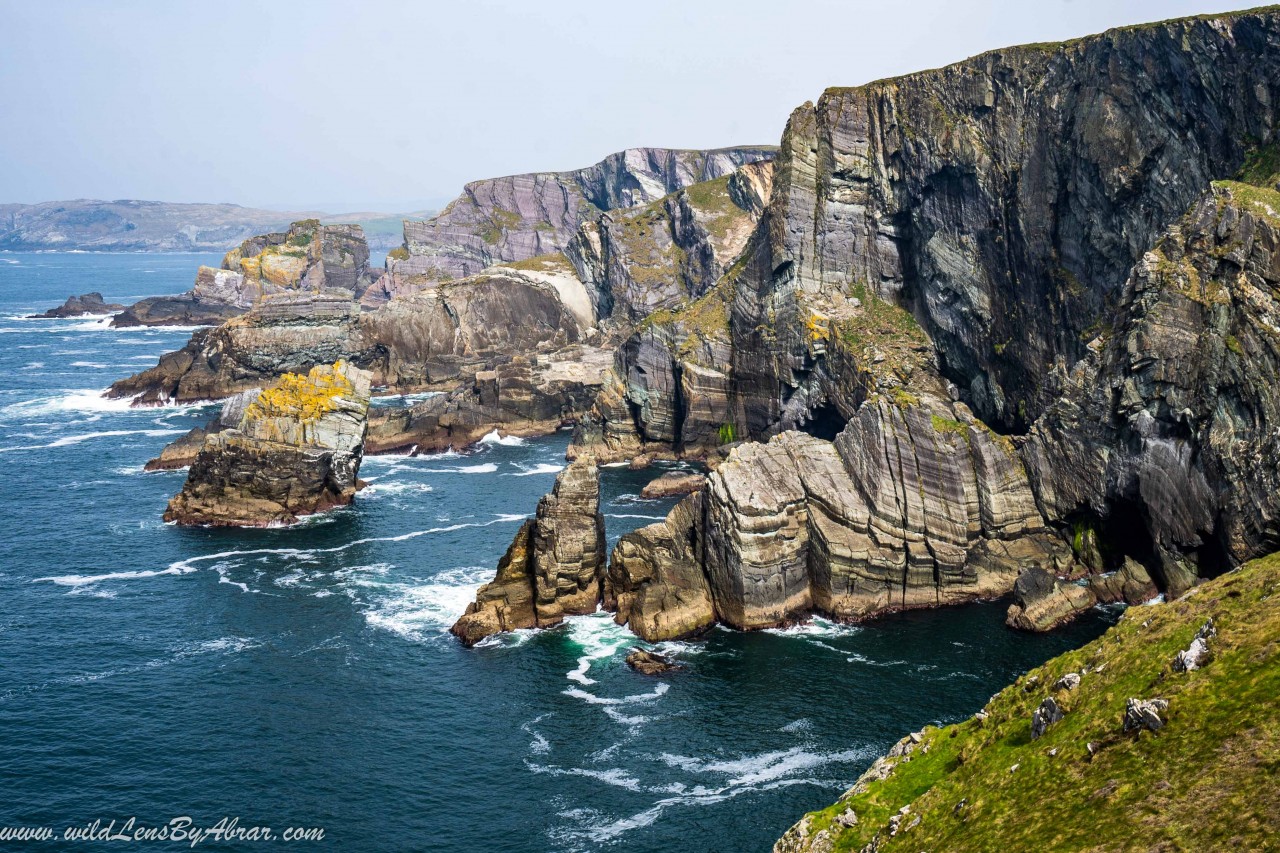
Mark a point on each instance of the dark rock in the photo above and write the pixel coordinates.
(1044, 716)
(1041, 602)
(650, 663)
(78, 306)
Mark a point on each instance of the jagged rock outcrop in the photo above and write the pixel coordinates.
(183, 451)
(915, 504)
(527, 395)
(553, 567)
(308, 257)
(296, 450)
(420, 341)
(78, 306)
(665, 253)
(655, 583)
(523, 216)
(672, 484)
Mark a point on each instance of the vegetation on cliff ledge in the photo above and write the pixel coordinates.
(1209, 779)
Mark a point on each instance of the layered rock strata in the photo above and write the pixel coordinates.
(296, 450)
(524, 216)
(552, 568)
(309, 257)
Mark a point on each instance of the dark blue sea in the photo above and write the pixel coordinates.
(304, 677)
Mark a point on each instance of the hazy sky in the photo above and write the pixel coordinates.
(395, 105)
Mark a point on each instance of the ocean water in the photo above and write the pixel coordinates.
(305, 678)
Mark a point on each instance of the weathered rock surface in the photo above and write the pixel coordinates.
(430, 338)
(1044, 716)
(78, 306)
(183, 451)
(655, 583)
(672, 485)
(296, 450)
(659, 255)
(308, 257)
(553, 567)
(1144, 714)
(524, 216)
(650, 663)
(1164, 441)
(525, 396)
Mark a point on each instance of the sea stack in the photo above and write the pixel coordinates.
(553, 567)
(295, 451)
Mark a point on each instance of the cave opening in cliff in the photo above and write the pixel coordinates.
(824, 422)
(1124, 533)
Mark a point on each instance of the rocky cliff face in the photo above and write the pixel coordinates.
(1164, 446)
(438, 336)
(296, 450)
(553, 567)
(309, 257)
(959, 240)
(659, 255)
(523, 216)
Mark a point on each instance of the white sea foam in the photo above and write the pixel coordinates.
(633, 515)
(94, 364)
(599, 637)
(543, 468)
(615, 776)
(68, 440)
(482, 468)
(395, 488)
(416, 611)
(494, 438)
(84, 580)
(816, 627)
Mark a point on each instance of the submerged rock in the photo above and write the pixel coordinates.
(78, 306)
(295, 450)
(552, 568)
(650, 663)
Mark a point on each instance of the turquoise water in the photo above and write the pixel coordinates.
(304, 677)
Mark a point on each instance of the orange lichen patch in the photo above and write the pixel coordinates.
(304, 398)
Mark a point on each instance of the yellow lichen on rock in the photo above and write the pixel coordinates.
(304, 398)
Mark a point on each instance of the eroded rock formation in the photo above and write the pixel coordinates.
(79, 306)
(295, 450)
(553, 567)
(309, 257)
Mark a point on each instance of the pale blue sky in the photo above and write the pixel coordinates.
(394, 105)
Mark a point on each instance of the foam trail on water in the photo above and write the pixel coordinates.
(543, 468)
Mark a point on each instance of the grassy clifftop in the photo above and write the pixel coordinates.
(1209, 779)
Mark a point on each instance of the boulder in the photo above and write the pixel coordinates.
(1044, 716)
(650, 663)
(1041, 602)
(1144, 714)
(673, 485)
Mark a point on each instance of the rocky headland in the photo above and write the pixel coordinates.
(295, 449)
(1007, 318)
(307, 258)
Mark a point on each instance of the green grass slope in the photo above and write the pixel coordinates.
(1209, 780)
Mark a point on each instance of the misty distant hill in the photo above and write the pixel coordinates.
(156, 226)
